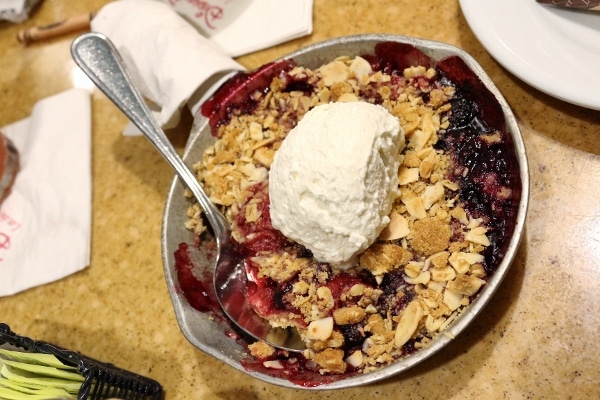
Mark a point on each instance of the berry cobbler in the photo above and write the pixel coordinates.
(449, 224)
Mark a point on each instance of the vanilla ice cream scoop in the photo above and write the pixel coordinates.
(334, 179)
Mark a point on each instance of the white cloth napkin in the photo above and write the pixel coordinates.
(45, 222)
(173, 64)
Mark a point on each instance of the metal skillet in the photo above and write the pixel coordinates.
(215, 336)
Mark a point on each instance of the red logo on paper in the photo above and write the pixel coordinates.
(204, 9)
(4, 241)
(8, 225)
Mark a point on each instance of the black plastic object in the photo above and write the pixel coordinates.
(101, 381)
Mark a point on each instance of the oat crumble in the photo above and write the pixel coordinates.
(427, 264)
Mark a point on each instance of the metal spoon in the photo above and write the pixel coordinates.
(101, 62)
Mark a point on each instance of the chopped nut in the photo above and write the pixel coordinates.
(334, 72)
(273, 364)
(492, 138)
(412, 160)
(256, 132)
(376, 325)
(477, 270)
(428, 165)
(264, 156)
(415, 207)
(430, 298)
(412, 72)
(320, 329)
(465, 284)
(452, 299)
(252, 213)
(433, 324)
(436, 286)
(396, 229)
(408, 175)
(360, 67)
(423, 278)
(412, 269)
(505, 193)
(357, 290)
(355, 359)
(440, 260)
(347, 98)
(443, 274)
(477, 235)
(407, 325)
(335, 341)
(462, 261)
(432, 194)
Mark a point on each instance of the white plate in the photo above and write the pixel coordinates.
(555, 50)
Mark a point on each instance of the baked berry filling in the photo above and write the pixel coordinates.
(450, 227)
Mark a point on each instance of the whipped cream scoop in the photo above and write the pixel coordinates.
(335, 177)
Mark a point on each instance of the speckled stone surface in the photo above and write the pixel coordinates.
(537, 339)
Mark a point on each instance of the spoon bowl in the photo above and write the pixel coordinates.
(101, 62)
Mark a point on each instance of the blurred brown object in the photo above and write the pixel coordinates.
(73, 24)
(9, 166)
(576, 4)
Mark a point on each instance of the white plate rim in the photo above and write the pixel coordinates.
(546, 47)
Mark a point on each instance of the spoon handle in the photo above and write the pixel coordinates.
(101, 62)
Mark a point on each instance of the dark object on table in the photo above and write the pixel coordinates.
(576, 4)
(9, 166)
(101, 380)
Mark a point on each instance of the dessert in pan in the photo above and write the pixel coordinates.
(373, 196)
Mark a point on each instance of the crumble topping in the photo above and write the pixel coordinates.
(408, 286)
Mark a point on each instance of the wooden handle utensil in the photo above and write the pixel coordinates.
(69, 25)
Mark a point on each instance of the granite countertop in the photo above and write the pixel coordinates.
(536, 339)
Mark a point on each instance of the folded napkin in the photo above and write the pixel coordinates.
(169, 60)
(16, 10)
(243, 26)
(173, 63)
(45, 222)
